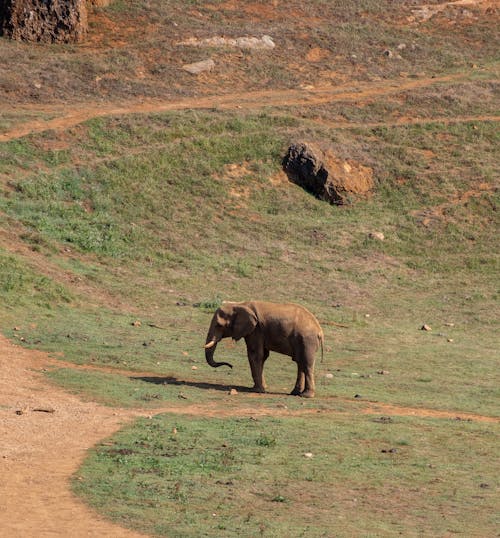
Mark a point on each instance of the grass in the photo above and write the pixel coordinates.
(109, 224)
(183, 476)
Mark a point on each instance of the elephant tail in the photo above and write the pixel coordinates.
(321, 338)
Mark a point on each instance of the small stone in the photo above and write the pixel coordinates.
(233, 392)
(199, 67)
(450, 340)
(329, 376)
(379, 236)
(388, 53)
(308, 455)
(382, 372)
(17, 328)
(174, 431)
(358, 396)
(136, 323)
(194, 367)
(383, 420)
(426, 327)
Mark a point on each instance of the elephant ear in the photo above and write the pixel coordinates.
(221, 319)
(244, 322)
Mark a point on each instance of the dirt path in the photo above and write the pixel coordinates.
(39, 451)
(71, 115)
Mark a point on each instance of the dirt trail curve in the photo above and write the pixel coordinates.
(40, 450)
(73, 114)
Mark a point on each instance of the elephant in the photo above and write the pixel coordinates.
(289, 329)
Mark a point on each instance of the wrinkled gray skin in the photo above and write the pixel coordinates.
(288, 329)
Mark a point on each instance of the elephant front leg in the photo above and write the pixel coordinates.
(256, 357)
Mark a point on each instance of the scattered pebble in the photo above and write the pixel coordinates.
(136, 323)
(308, 455)
(194, 367)
(233, 392)
(358, 396)
(426, 327)
(329, 376)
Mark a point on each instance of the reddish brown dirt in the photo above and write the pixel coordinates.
(40, 451)
(70, 116)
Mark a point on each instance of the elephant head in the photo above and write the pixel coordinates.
(230, 320)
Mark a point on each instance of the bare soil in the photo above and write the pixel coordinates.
(66, 116)
(40, 451)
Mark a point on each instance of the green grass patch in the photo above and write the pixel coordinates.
(129, 391)
(180, 476)
(164, 233)
(23, 287)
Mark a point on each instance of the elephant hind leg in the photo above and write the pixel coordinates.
(309, 385)
(304, 386)
(300, 383)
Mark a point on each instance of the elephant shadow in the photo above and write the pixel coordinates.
(203, 385)
(169, 380)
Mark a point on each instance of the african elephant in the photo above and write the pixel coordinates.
(289, 329)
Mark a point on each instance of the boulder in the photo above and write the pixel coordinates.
(50, 21)
(323, 174)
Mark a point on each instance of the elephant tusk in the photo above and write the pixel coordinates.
(210, 344)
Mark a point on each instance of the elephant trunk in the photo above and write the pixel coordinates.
(210, 350)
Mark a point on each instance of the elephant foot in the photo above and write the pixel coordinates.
(296, 392)
(307, 394)
(262, 390)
